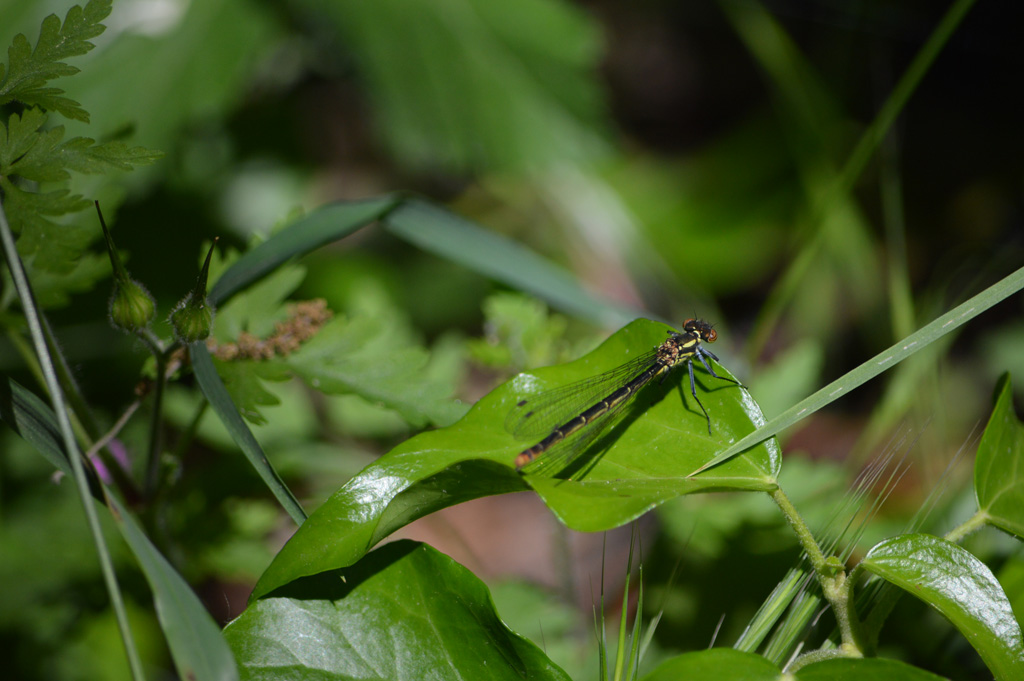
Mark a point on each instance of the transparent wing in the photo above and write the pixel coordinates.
(562, 454)
(536, 416)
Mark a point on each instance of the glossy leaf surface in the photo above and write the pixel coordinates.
(724, 664)
(404, 611)
(844, 669)
(641, 462)
(999, 466)
(962, 588)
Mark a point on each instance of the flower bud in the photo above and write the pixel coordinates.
(131, 306)
(192, 319)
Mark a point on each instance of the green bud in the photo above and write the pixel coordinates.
(192, 320)
(131, 306)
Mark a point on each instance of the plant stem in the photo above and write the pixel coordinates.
(803, 532)
(37, 331)
(972, 524)
(156, 427)
(837, 589)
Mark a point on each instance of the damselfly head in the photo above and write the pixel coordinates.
(701, 329)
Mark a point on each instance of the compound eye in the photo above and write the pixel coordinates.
(689, 324)
(711, 336)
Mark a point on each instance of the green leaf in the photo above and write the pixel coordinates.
(39, 155)
(258, 307)
(403, 611)
(435, 230)
(29, 69)
(648, 455)
(196, 644)
(493, 85)
(844, 669)
(204, 62)
(721, 664)
(999, 466)
(54, 289)
(367, 357)
(245, 382)
(29, 152)
(961, 587)
(372, 357)
(520, 333)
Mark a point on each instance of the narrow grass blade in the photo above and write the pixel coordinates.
(454, 238)
(320, 227)
(881, 362)
(217, 395)
(771, 610)
(33, 319)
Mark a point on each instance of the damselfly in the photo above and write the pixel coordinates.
(573, 416)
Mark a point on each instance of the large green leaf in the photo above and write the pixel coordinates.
(721, 664)
(726, 664)
(961, 587)
(999, 466)
(845, 669)
(639, 464)
(404, 611)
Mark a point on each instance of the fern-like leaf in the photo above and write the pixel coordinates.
(30, 154)
(29, 70)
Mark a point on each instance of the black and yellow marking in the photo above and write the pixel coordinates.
(681, 347)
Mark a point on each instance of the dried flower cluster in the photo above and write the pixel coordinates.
(305, 319)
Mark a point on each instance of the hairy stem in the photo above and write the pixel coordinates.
(838, 590)
(972, 524)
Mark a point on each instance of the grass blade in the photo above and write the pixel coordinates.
(215, 392)
(492, 255)
(33, 320)
(883, 361)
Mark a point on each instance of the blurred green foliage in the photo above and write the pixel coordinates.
(683, 160)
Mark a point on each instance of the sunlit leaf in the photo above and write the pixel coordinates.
(30, 69)
(961, 587)
(999, 466)
(403, 611)
(721, 664)
(640, 463)
(363, 356)
(845, 669)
